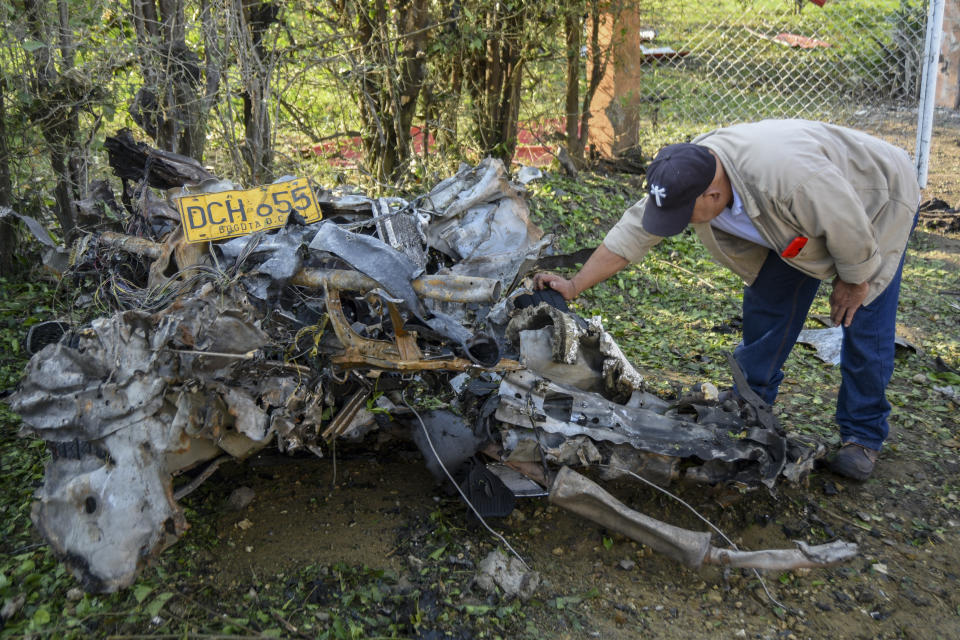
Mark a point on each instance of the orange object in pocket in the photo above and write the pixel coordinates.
(793, 249)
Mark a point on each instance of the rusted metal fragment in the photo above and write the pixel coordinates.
(521, 485)
(657, 468)
(532, 470)
(348, 412)
(401, 353)
(175, 259)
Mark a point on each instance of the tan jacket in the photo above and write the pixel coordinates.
(853, 196)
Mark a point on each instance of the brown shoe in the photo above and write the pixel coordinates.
(853, 461)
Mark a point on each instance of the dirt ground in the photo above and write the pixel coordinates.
(378, 507)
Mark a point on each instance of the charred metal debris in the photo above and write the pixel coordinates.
(295, 337)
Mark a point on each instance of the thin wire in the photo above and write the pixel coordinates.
(462, 494)
(720, 533)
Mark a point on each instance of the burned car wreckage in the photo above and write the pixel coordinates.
(296, 336)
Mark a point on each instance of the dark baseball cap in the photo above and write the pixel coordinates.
(675, 179)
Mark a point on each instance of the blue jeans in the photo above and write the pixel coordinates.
(774, 309)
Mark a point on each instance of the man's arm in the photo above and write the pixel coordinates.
(602, 264)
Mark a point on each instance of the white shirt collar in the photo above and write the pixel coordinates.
(737, 207)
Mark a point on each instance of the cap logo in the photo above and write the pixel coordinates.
(658, 192)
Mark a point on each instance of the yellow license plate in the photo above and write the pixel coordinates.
(227, 214)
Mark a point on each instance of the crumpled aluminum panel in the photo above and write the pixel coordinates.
(481, 220)
(532, 402)
(118, 402)
(375, 259)
(597, 362)
(107, 515)
(105, 382)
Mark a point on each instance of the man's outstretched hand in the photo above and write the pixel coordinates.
(845, 300)
(601, 264)
(559, 284)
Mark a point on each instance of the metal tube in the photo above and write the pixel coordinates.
(446, 288)
(928, 89)
(805, 556)
(586, 498)
(133, 244)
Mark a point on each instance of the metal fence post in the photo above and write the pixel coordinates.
(928, 90)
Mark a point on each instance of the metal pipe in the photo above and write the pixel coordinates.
(133, 244)
(446, 288)
(804, 556)
(928, 89)
(586, 498)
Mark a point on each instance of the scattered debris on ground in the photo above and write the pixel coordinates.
(296, 336)
(937, 214)
(509, 574)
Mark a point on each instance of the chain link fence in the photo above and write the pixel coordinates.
(850, 62)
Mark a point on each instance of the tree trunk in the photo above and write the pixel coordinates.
(443, 106)
(573, 25)
(58, 96)
(214, 62)
(8, 228)
(495, 79)
(168, 106)
(256, 65)
(599, 57)
(443, 90)
(391, 71)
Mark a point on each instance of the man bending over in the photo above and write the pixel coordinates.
(786, 204)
